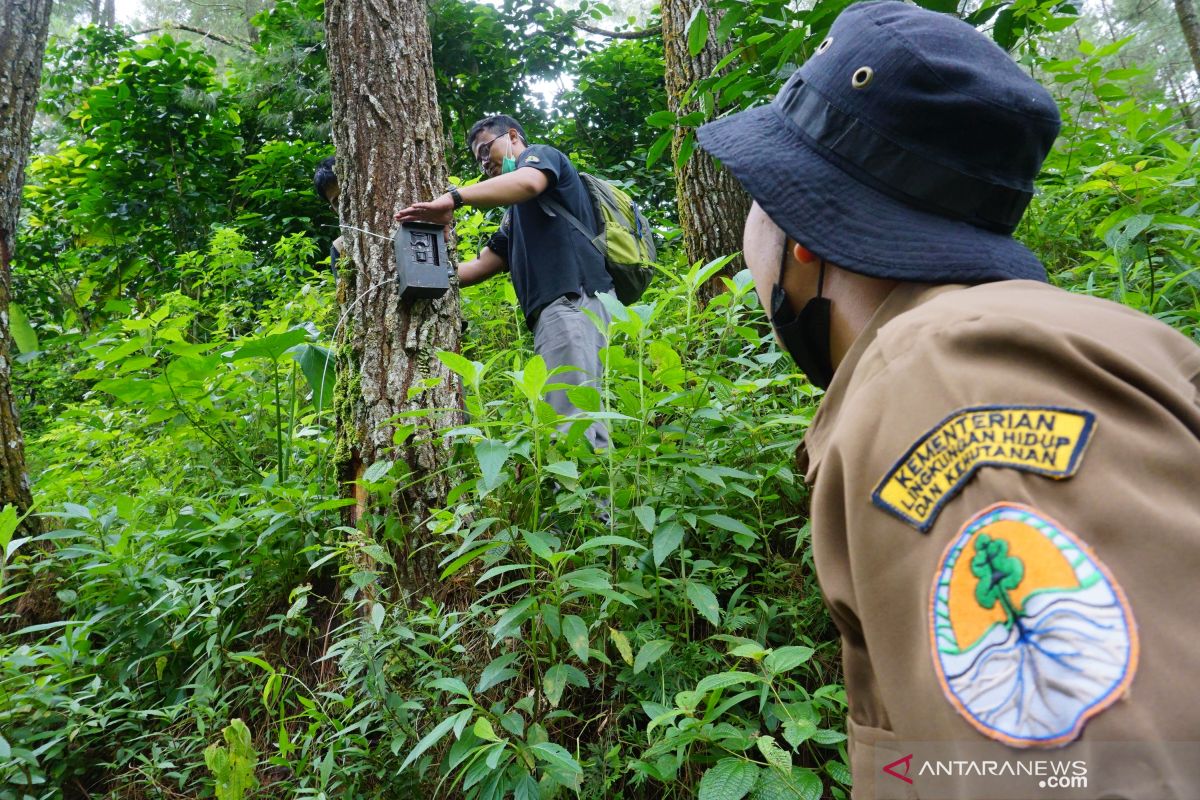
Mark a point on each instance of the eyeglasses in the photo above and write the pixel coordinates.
(484, 153)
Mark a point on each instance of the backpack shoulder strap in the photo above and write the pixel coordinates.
(555, 208)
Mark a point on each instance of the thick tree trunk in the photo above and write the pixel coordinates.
(23, 27)
(712, 204)
(388, 137)
(1186, 10)
(109, 16)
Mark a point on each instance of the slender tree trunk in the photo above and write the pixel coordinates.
(388, 135)
(712, 204)
(23, 27)
(1186, 112)
(1186, 11)
(252, 7)
(109, 16)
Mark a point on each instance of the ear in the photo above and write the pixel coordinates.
(804, 255)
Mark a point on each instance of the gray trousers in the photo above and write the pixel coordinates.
(565, 336)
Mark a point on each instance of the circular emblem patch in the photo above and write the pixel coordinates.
(1031, 634)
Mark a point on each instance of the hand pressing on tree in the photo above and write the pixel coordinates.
(439, 211)
(524, 184)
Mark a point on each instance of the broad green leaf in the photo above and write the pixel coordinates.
(775, 755)
(377, 616)
(564, 469)
(729, 524)
(492, 455)
(723, 680)
(645, 515)
(576, 633)
(466, 558)
(452, 685)
(541, 544)
(533, 378)
(795, 784)
(460, 365)
(705, 602)
(272, 346)
(609, 541)
(8, 525)
(552, 619)
(658, 148)
(622, 643)
(377, 470)
(497, 671)
(685, 149)
(316, 363)
(379, 553)
(526, 788)
(827, 737)
(510, 621)
(697, 30)
(839, 772)
(730, 779)
(651, 651)
(233, 765)
(661, 119)
(585, 398)
(798, 731)
(666, 540)
(22, 332)
(555, 682)
(749, 650)
(783, 659)
(589, 580)
(435, 736)
(484, 730)
(560, 760)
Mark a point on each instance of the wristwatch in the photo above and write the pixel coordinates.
(455, 196)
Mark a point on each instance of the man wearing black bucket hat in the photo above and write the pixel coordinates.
(1003, 474)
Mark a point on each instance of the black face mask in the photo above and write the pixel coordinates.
(807, 335)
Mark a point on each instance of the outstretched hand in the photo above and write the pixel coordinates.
(439, 210)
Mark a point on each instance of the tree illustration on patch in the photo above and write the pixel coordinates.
(1060, 651)
(998, 573)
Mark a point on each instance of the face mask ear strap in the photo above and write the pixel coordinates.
(821, 279)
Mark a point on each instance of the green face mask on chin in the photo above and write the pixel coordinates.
(509, 163)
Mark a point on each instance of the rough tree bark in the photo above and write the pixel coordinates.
(1186, 11)
(23, 27)
(712, 204)
(388, 136)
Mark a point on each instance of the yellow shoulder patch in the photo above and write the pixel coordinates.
(1040, 439)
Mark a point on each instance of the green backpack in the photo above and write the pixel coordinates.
(624, 239)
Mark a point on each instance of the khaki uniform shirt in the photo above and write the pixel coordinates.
(1065, 430)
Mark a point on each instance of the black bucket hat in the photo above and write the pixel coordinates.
(905, 147)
